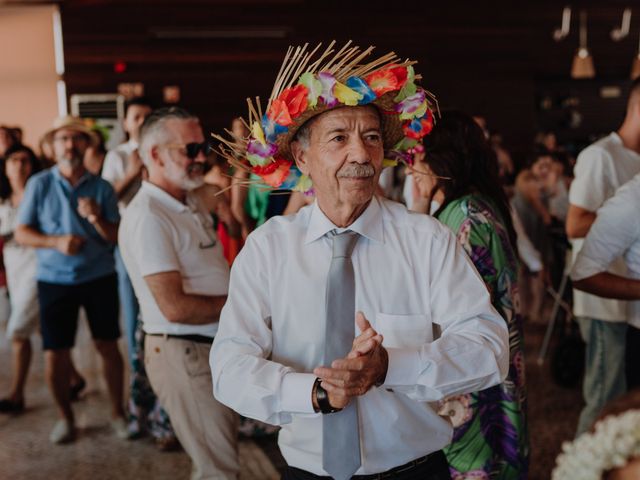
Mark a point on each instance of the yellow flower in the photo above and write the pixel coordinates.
(346, 95)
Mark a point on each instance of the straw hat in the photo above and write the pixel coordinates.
(71, 123)
(308, 86)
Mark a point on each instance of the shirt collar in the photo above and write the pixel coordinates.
(163, 197)
(56, 173)
(368, 224)
(616, 137)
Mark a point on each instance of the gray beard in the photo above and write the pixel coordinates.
(189, 184)
(181, 178)
(70, 163)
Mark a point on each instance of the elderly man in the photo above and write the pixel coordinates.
(180, 277)
(287, 351)
(71, 217)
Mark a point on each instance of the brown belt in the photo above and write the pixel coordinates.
(189, 338)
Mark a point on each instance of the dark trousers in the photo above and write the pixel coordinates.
(632, 358)
(433, 467)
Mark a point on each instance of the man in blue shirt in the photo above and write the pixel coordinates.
(71, 217)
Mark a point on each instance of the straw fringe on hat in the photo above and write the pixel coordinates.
(307, 86)
(71, 123)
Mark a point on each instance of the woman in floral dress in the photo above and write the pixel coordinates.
(458, 174)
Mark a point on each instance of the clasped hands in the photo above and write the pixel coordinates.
(363, 367)
(88, 208)
(71, 244)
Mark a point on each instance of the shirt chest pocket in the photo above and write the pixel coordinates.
(404, 330)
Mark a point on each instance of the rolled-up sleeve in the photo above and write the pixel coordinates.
(472, 352)
(616, 228)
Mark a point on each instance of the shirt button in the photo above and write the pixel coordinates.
(157, 349)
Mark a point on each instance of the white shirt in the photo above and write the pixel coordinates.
(158, 234)
(615, 233)
(115, 168)
(410, 274)
(601, 168)
(20, 261)
(526, 251)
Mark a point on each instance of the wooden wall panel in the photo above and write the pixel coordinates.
(476, 57)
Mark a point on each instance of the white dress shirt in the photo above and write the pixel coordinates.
(615, 233)
(600, 170)
(159, 234)
(410, 275)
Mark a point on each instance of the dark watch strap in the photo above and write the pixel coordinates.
(322, 397)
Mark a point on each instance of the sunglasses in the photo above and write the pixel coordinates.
(193, 149)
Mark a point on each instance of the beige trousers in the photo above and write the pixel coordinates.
(180, 375)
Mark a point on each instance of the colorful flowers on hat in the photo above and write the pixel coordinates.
(327, 88)
(289, 105)
(388, 79)
(273, 173)
(418, 127)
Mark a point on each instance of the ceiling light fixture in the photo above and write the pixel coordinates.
(561, 33)
(582, 66)
(618, 34)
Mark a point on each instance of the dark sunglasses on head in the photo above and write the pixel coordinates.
(193, 149)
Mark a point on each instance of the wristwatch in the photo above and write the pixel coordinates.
(322, 398)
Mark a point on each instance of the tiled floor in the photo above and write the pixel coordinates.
(25, 452)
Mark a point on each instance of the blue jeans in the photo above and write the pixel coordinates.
(604, 375)
(129, 303)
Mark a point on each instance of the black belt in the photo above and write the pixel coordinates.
(407, 467)
(189, 338)
(394, 472)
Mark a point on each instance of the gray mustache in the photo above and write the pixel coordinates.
(356, 170)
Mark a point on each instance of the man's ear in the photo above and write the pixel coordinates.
(300, 156)
(155, 156)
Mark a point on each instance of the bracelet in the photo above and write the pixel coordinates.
(322, 397)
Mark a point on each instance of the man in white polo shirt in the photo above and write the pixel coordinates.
(602, 168)
(180, 277)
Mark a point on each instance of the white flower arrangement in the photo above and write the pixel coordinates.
(616, 440)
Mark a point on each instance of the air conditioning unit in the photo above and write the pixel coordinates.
(106, 109)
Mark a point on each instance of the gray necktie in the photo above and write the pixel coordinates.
(340, 436)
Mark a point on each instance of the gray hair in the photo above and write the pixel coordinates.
(303, 135)
(154, 130)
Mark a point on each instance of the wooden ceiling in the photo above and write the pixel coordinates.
(480, 56)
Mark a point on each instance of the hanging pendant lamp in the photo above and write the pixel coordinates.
(582, 66)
